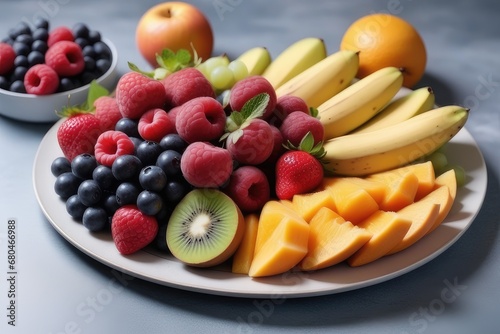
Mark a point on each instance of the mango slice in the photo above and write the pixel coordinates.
(331, 240)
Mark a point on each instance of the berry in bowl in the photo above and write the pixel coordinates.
(44, 69)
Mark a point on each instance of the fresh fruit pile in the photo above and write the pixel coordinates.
(295, 163)
(40, 60)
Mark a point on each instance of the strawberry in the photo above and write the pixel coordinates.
(299, 170)
(132, 230)
(78, 134)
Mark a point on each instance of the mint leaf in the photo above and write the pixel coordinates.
(95, 91)
(255, 107)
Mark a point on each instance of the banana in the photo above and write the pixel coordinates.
(296, 58)
(400, 109)
(256, 59)
(359, 102)
(324, 79)
(395, 145)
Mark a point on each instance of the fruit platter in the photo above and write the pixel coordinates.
(303, 174)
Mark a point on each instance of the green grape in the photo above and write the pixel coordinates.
(460, 174)
(203, 69)
(222, 77)
(239, 69)
(211, 63)
(439, 161)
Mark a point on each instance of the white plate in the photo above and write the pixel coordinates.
(164, 269)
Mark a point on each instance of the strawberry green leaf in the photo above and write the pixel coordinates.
(135, 68)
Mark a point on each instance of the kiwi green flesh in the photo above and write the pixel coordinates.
(205, 228)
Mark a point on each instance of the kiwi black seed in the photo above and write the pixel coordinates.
(205, 228)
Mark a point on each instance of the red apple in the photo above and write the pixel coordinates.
(173, 25)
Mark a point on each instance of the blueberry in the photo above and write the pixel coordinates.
(67, 184)
(170, 162)
(35, 57)
(89, 192)
(173, 141)
(94, 36)
(127, 193)
(88, 51)
(128, 126)
(95, 219)
(19, 73)
(110, 204)
(175, 190)
(161, 237)
(75, 208)
(60, 165)
(40, 46)
(82, 42)
(152, 178)
(83, 165)
(126, 167)
(40, 22)
(102, 50)
(81, 30)
(41, 34)
(104, 177)
(66, 84)
(21, 29)
(4, 83)
(102, 65)
(21, 48)
(148, 151)
(25, 38)
(89, 63)
(17, 86)
(21, 61)
(137, 142)
(149, 202)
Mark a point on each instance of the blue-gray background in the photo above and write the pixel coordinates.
(463, 43)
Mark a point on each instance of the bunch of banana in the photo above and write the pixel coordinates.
(295, 59)
(400, 109)
(395, 145)
(359, 102)
(324, 79)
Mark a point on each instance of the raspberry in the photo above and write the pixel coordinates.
(185, 85)
(7, 57)
(60, 34)
(137, 93)
(200, 119)
(110, 145)
(254, 146)
(132, 230)
(249, 87)
(41, 80)
(205, 165)
(155, 124)
(285, 105)
(107, 111)
(278, 148)
(66, 58)
(249, 188)
(298, 124)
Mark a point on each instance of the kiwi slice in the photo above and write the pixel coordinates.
(205, 228)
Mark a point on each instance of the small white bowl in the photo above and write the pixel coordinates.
(42, 109)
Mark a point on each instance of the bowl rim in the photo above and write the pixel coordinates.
(111, 69)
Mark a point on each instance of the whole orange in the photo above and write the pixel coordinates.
(386, 40)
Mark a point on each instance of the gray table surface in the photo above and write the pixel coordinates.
(55, 279)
